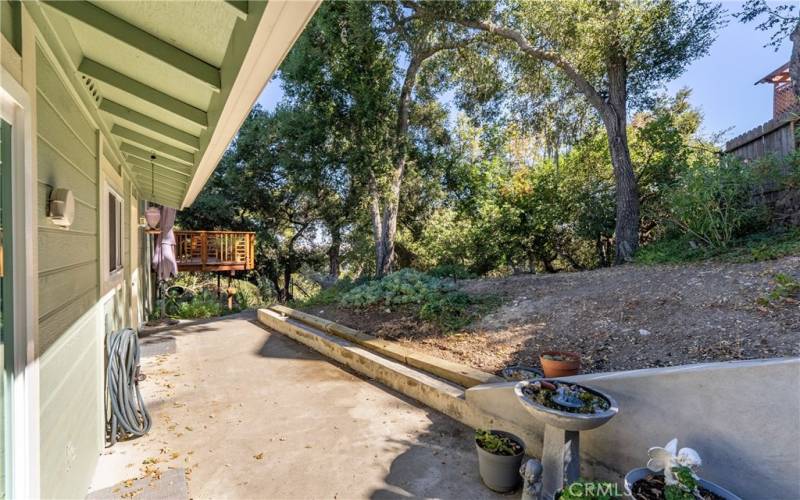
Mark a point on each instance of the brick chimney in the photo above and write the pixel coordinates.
(783, 97)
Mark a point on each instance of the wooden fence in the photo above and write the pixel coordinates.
(777, 137)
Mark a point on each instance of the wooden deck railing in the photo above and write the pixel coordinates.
(215, 250)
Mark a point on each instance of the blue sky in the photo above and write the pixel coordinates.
(721, 83)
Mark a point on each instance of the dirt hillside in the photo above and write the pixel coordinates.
(619, 318)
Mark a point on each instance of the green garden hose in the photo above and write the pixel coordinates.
(126, 414)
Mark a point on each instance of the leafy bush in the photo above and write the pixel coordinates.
(330, 295)
(765, 246)
(437, 300)
(202, 305)
(406, 286)
(455, 271)
(714, 202)
(670, 251)
(450, 310)
(785, 289)
(248, 295)
(752, 248)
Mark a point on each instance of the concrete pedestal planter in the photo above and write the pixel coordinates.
(708, 490)
(566, 409)
(500, 472)
(515, 373)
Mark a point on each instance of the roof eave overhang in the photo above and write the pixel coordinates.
(253, 56)
(770, 78)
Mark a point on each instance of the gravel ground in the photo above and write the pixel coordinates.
(617, 318)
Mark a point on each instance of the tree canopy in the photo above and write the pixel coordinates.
(477, 137)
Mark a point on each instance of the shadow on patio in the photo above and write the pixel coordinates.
(243, 412)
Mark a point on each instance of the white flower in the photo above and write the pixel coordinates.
(668, 457)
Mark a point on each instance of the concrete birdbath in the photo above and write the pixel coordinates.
(566, 409)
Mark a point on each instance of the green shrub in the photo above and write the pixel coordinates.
(714, 202)
(786, 287)
(248, 295)
(752, 248)
(202, 305)
(406, 286)
(436, 299)
(670, 251)
(450, 310)
(455, 271)
(330, 295)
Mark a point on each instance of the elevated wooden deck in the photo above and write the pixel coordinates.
(215, 250)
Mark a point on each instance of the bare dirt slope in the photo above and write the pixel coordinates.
(619, 318)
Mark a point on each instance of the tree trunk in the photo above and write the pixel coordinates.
(385, 227)
(275, 280)
(377, 225)
(556, 159)
(601, 254)
(794, 62)
(627, 196)
(388, 234)
(334, 254)
(287, 282)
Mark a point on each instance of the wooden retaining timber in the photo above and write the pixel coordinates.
(463, 375)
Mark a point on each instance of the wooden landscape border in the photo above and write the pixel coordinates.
(463, 375)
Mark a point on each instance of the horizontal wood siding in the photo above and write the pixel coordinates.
(70, 345)
(68, 282)
(70, 410)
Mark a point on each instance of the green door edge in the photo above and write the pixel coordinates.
(7, 317)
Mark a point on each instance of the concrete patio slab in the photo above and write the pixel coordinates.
(251, 414)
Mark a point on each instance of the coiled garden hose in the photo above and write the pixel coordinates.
(124, 403)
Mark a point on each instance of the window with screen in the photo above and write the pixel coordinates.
(114, 232)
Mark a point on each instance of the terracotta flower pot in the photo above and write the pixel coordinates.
(566, 364)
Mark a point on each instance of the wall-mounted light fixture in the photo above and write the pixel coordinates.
(61, 209)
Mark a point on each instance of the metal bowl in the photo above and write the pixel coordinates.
(564, 419)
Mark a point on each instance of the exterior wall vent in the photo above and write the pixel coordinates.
(92, 88)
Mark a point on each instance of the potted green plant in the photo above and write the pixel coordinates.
(557, 364)
(499, 457)
(670, 475)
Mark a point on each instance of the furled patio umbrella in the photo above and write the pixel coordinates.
(164, 262)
